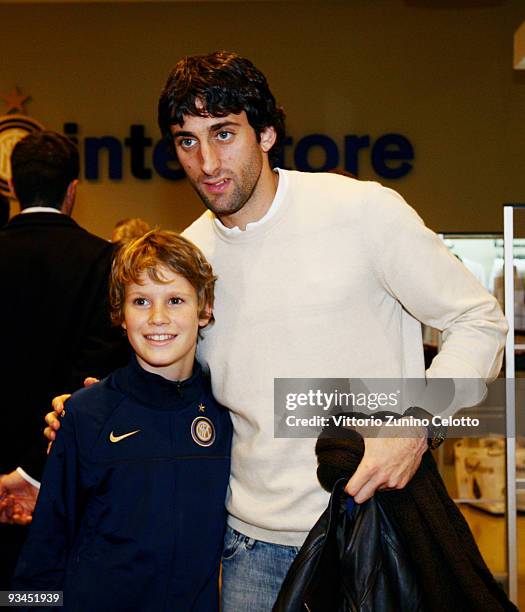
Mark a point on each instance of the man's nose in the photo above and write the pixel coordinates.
(210, 162)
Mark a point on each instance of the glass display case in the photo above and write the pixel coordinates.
(477, 471)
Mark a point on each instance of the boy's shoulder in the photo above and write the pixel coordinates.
(104, 390)
(96, 402)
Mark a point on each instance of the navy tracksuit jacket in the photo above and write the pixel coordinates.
(131, 512)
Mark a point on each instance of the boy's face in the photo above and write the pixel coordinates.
(162, 322)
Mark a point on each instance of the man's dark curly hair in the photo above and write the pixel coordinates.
(216, 85)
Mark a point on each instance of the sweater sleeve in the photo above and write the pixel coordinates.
(42, 562)
(418, 270)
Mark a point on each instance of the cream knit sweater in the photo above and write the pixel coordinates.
(333, 285)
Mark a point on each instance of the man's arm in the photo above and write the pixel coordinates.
(53, 418)
(417, 270)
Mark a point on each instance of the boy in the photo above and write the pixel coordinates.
(131, 512)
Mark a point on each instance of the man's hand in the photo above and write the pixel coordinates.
(17, 499)
(388, 463)
(53, 418)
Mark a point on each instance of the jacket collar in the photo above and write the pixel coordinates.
(156, 391)
(40, 219)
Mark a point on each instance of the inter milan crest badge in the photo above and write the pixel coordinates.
(13, 127)
(203, 431)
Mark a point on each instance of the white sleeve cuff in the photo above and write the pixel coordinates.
(26, 476)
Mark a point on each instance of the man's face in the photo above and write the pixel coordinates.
(222, 159)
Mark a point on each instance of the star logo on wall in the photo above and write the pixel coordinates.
(15, 101)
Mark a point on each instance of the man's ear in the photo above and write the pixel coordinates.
(267, 138)
(69, 199)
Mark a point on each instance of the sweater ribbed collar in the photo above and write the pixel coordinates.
(264, 225)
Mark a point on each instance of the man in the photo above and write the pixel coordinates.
(56, 322)
(319, 275)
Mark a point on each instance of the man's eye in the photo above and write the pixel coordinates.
(224, 136)
(140, 301)
(187, 143)
(175, 300)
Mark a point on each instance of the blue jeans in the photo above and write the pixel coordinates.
(252, 572)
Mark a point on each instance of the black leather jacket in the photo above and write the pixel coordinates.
(352, 560)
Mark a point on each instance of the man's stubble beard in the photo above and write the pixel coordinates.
(243, 189)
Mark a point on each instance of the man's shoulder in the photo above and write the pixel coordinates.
(93, 246)
(332, 196)
(41, 227)
(201, 230)
(45, 237)
(331, 183)
(87, 237)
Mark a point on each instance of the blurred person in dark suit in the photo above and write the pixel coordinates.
(55, 314)
(4, 210)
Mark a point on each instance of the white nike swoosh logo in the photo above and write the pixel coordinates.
(114, 438)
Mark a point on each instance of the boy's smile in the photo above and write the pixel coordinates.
(162, 322)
